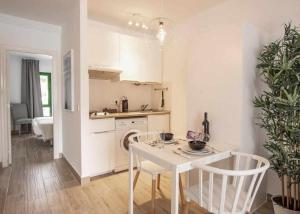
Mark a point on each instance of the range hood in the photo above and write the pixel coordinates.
(104, 73)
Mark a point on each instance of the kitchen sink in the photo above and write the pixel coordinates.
(152, 110)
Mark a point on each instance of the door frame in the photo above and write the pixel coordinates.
(5, 123)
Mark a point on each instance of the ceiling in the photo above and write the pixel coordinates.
(115, 12)
(118, 11)
(49, 11)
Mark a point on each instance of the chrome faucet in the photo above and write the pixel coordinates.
(143, 107)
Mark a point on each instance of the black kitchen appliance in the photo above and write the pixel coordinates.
(124, 104)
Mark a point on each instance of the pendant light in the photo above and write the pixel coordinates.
(162, 33)
(162, 28)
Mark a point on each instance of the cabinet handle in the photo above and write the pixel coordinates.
(102, 132)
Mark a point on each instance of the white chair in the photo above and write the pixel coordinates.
(226, 191)
(149, 167)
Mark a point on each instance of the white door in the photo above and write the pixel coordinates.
(101, 152)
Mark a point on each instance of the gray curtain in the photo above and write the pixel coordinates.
(31, 87)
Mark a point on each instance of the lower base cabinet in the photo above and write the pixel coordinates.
(101, 151)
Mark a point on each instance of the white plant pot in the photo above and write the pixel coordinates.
(278, 209)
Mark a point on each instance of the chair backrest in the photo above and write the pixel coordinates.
(144, 137)
(238, 187)
(19, 111)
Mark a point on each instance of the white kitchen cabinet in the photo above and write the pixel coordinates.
(131, 58)
(103, 47)
(153, 66)
(100, 150)
(101, 125)
(140, 59)
(159, 123)
(101, 153)
(137, 57)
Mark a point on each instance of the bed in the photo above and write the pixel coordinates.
(43, 128)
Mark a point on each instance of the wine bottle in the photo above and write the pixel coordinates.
(205, 125)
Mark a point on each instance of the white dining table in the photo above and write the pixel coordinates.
(171, 158)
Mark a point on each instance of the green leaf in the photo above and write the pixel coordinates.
(279, 104)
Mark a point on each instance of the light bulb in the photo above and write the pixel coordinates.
(144, 26)
(161, 34)
(137, 24)
(130, 23)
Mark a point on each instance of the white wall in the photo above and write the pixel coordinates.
(46, 65)
(222, 46)
(18, 34)
(84, 86)
(15, 64)
(213, 76)
(174, 77)
(24, 33)
(71, 120)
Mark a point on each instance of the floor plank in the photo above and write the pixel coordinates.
(4, 183)
(35, 183)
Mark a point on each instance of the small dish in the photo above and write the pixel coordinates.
(166, 136)
(186, 149)
(197, 144)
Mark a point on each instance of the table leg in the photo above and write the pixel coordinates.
(130, 201)
(187, 184)
(175, 192)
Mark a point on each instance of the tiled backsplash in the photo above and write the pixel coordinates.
(103, 94)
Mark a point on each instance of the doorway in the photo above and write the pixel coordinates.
(49, 80)
(30, 100)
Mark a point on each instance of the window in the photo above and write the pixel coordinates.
(45, 79)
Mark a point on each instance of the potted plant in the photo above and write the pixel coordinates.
(279, 104)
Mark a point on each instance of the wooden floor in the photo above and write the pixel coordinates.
(35, 183)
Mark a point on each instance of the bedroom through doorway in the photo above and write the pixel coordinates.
(31, 106)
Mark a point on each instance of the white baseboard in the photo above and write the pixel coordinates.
(81, 180)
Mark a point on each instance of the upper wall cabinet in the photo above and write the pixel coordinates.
(153, 66)
(131, 58)
(103, 47)
(140, 59)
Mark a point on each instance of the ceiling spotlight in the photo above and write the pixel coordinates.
(138, 21)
